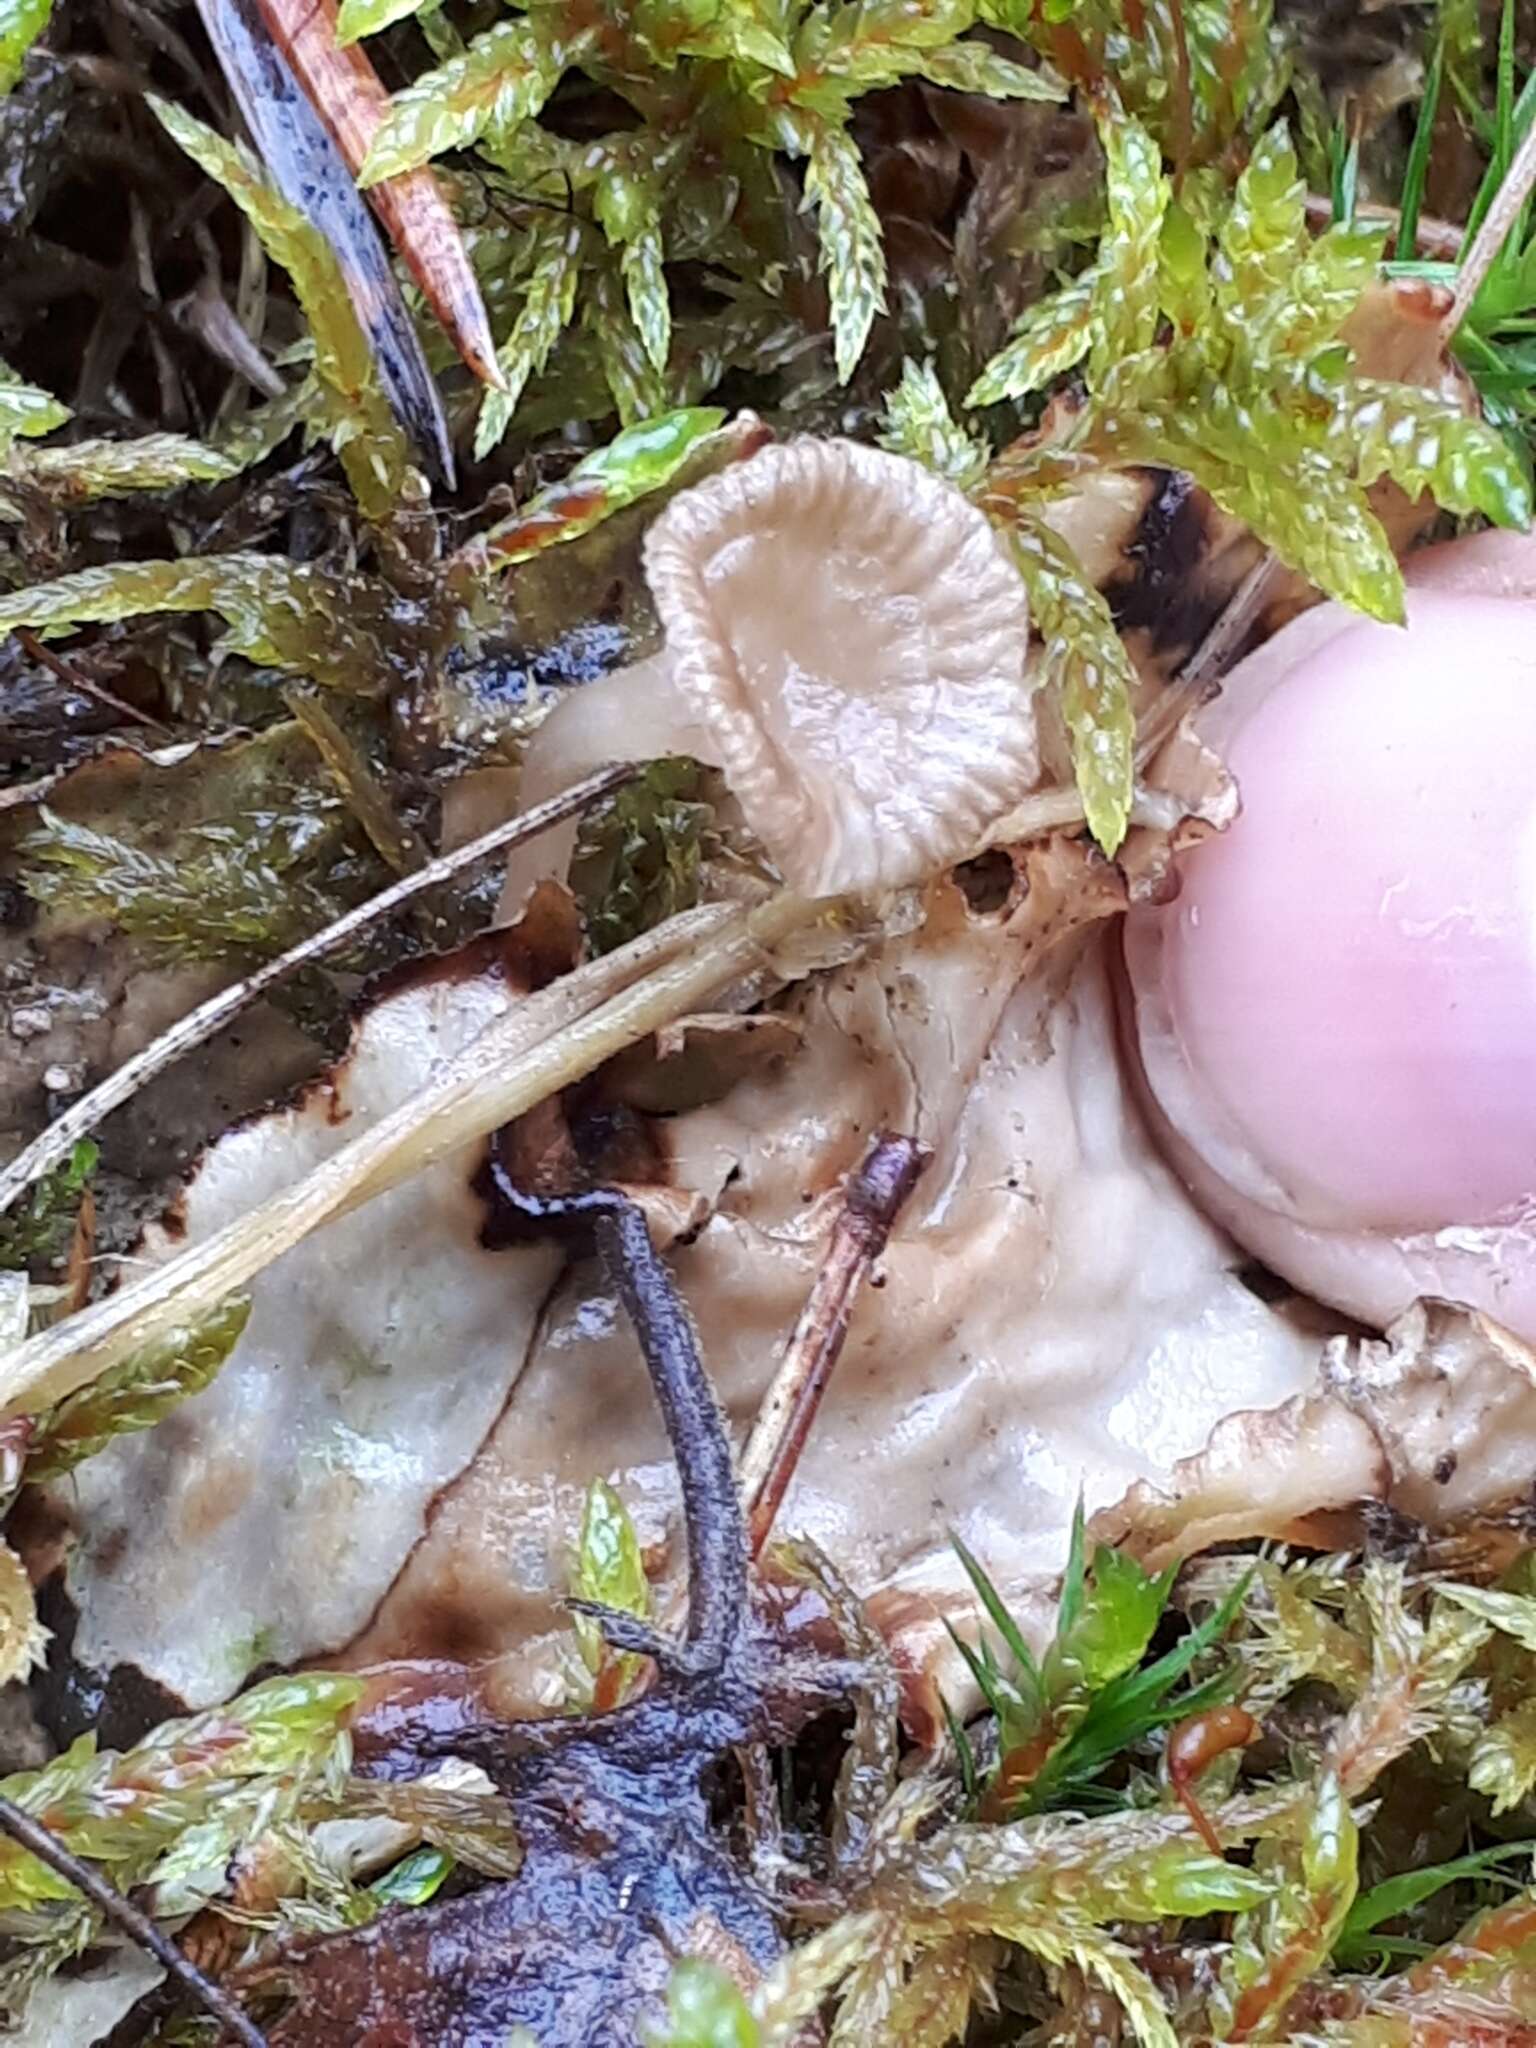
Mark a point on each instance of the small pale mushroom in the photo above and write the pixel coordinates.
(1335, 1023)
(846, 640)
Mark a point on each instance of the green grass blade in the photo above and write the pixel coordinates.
(1410, 1888)
(1158, 1678)
(1344, 167)
(985, 1673)
(965, 1756)
(1075, 1577)
(1411, 201)
(997, 1612)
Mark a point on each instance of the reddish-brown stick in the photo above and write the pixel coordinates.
(872, 1200)
(72, 679)
(349, 97)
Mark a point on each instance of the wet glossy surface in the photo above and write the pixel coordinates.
(1332, 1028)
(1352, 968)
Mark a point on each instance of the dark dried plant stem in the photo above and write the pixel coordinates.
(55, 1144)
(350, 99)
(712, 1517)
(706, 1660)
(872, 1200)
(42, 1843)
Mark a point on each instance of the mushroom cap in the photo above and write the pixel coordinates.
(851, 635)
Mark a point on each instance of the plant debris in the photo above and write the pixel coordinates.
(619, 1862)
(1120, 1646)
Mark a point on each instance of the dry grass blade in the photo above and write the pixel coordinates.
(1490, 238)
(1213, 656)
(347, 94)
(1063, 810)
(56, 1143)
(554, 1038)
(872, 1199)
(28, 793)
(306, 165)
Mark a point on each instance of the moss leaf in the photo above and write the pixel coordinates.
(1126, 272)
(23, 1639)
(977, 67)
(1427, 443)
(638, 858)
(1264, 233)
(646, 283)
(358, 18)
(918, 423)
(37, 1229)
(136, 1394)
(503, 77)
(636, 462)
(634, 384)
(609, 1570)
(1278, 1947)
(25, 409)
(1262, 470)
(704, 2010)
(549, 299)
(852, 247)
(281, 614)
(21, 23)
(235, 892)
(947, 1981)
(1055, 333)
(1320, 293)
(1088, 667)
(87, 470)
(355, 412)
(1503, 1761)
(248, 1760)
(1103, 1960)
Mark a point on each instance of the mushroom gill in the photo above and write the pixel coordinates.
(846, 640)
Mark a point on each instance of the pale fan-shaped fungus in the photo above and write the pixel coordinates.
(846, 639)
(1336, 1020)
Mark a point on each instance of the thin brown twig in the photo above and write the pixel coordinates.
(1208, 664)
(56, 1143)
(42, 1843)
(872, 1200)
(72, 679)
(1493, 232)
(1212, 657)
